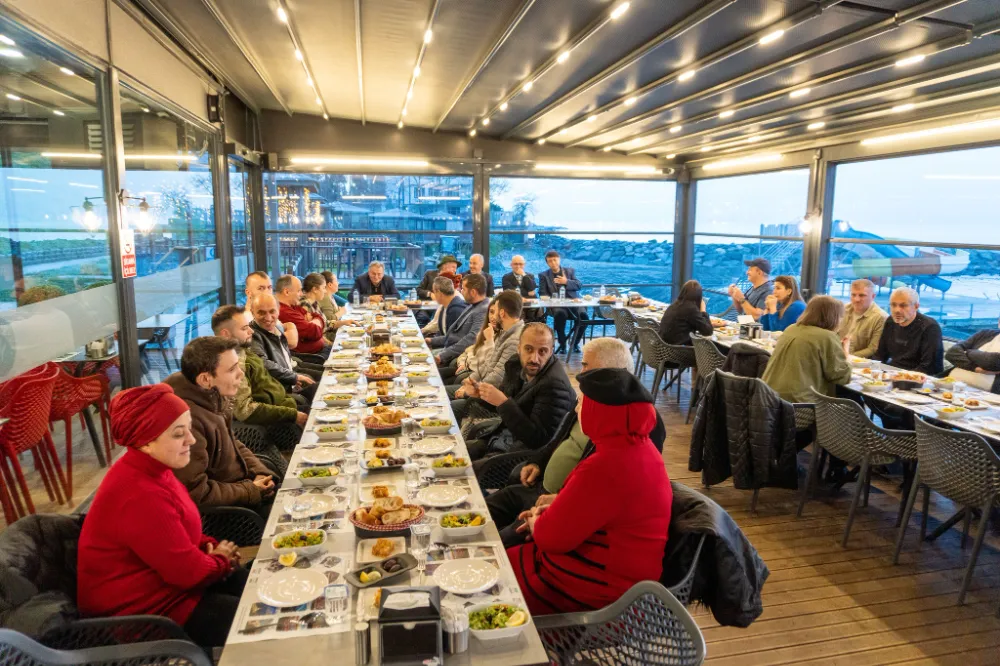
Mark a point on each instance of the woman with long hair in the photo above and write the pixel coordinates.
(686, 315)
(478, 353)
(784, 306)
(810, 354)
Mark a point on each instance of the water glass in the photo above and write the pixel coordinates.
(397, 360)
(412, 488)
(420, 537)
(350, 461)
(338, 602)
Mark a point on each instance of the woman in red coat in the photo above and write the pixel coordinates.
(141, 550)
(606, 530)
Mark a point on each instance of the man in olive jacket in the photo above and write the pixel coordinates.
(261, 399)
(222, 471)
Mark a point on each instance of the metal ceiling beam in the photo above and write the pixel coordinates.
(866, 32)
(690, 21)
(835, 76)
(246, 52)
(51, 87)
(361, 68)
(498, 44)
(420, 58)
(726, 52)
(951, 72)
(602, 19)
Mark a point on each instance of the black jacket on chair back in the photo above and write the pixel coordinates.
(746, 360)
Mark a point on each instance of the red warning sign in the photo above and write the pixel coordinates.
(128, 253)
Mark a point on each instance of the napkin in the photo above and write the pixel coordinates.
(407, 600)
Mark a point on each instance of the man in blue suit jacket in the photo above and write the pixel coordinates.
(375, 282)
(452, 306)
(463, 331)
(549, 283)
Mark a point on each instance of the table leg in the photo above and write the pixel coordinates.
(98, 447)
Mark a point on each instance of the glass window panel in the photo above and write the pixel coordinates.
(947, 197)
(590, 216)
(342, 222)
(240, 207)
(761, 204)
(168, 166)
(718, 263)
(56, 289)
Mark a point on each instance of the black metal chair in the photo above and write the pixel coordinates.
(604, 319)
(681, 589)
(658, 354)
(17, 649)
(961, 466)
(647, 625)
(708, 359)
(625, 327)
(492, 473)
(845, 431)
(242, 526)
(255, 438)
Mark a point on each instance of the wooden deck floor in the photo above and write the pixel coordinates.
(824, 604)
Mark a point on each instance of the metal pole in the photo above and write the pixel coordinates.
(684, 222)
(223, 221)
(481, 215)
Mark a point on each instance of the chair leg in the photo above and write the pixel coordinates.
(980, 533)
(50, 451)
(8, 478)
(657, 378)
(23, 483)
(927, 512)
(46, 455)
(43, 471)
(966, 522)
(695, 395)
(680, 371)
(9, 514)
(914, 485)
(868, 487)
(859, 487)
(810, 475)
(69, 457)
(753, 501)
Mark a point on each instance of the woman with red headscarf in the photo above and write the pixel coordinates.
(606, 530)
(141, 550)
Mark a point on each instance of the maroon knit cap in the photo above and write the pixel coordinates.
(140, 415)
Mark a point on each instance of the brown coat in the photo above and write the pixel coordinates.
(221, 470)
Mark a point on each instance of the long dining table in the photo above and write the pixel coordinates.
(310, 633)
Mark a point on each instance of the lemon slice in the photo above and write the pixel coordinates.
(287, 559)
(374, 576)
(517, 619)
(363, 577)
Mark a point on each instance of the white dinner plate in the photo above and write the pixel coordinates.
(424, 391)
(306, 506)
(442, 497)
(419, 413)
(418, 367)
(323, 455)
(292, 587)
(364, 552)
(466, 576)
(334, 416)
(434, 446)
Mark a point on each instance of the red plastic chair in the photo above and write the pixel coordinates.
(27, 401)
(71, 396)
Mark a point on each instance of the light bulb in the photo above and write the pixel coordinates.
(90, 220)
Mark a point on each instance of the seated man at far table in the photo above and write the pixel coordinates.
(751, 302)
(310, 325)
(549, 283)
(977, 360)
(539, 479)
(530, 402)
(269, 343)
(523, 283)
(864, 320)
(910, 339)
(375, 284)
(222, 471)
(261, 399)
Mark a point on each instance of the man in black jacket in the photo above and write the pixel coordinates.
(269, 343)
(375, 282)
(549, 283)
(977, 360)
(532, 399)
(541, 477)
(910, 340)
(523, 283)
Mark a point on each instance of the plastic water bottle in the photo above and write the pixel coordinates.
(562, 293)
(355, 298)
(604, 292)
(413, 294)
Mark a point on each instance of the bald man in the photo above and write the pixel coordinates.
(910, 339)
(476, 263)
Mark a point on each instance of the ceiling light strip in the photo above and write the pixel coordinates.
(688, 72)
(797, 91)
(866, 32)
(692, 20)
(498, 44)
(358, 162)
(744, 161)
(597, 168)
(357, 50)
(428, 37)
(932, 132)
(303, 58)
(957, 70)
(526, 83)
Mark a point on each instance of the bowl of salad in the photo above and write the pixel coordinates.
(331, 431)
(300, 542)
(495, 622)
(319, 476)
(418, 376)
(462, 523)
(450, 465)
(875, 386)
(338, 399)
(952, 413)
(436, 426)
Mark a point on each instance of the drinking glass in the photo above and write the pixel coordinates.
(420, 540)
(409, 426)
(397, 360)
(338, 602)
(351, 461)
